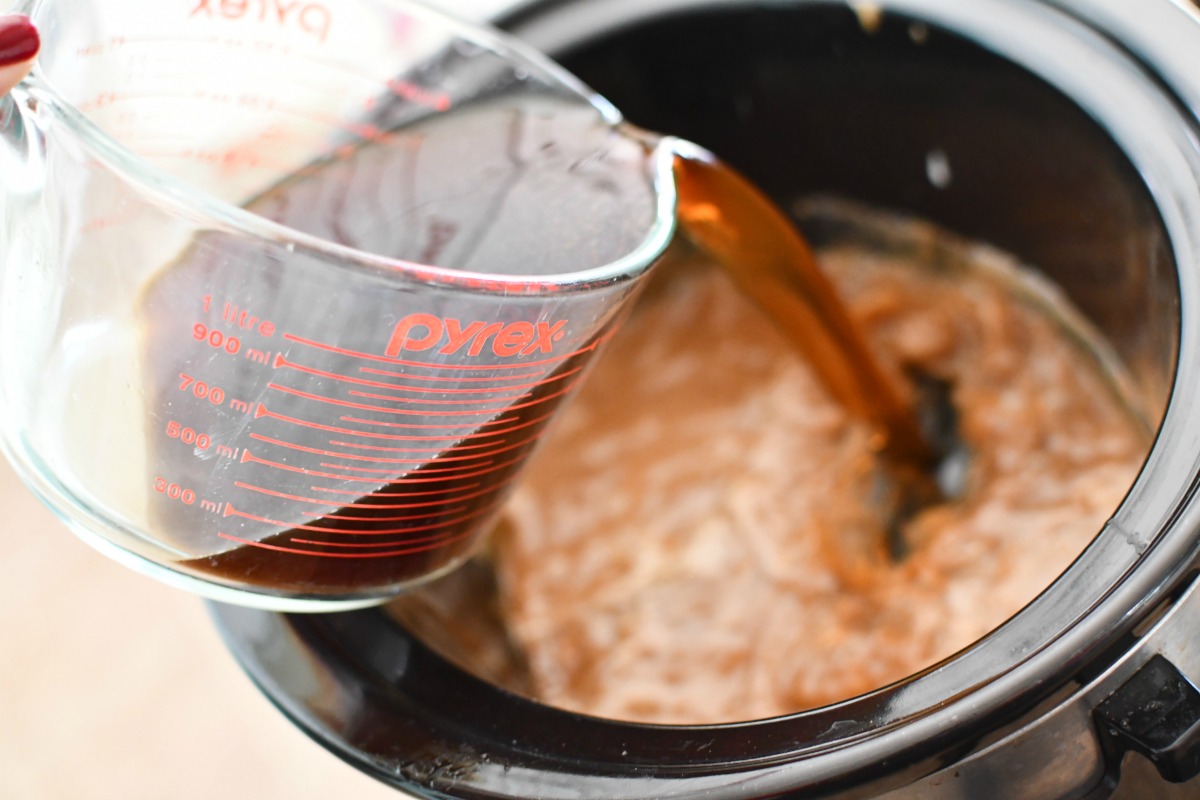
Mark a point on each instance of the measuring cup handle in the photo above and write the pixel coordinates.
(19, 44)
(20, 147)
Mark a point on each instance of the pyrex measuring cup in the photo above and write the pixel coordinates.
(291, 288)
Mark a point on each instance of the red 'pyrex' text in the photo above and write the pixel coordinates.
(418, 332)
(309, 17)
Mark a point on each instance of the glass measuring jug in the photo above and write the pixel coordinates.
(291, 289)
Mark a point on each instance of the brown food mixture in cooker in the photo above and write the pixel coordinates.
(700, 540)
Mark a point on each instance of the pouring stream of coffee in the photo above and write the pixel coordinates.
(727, 217)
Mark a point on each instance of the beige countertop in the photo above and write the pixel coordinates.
(113, 686)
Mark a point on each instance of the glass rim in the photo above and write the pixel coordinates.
(193, 202)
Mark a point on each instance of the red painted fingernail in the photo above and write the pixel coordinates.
(19, 40)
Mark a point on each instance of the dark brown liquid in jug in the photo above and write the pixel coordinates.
(417, 525)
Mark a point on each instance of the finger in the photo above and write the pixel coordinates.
(19, 43)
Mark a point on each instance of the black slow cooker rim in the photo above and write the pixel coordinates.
(1158, 566)
(436, 709)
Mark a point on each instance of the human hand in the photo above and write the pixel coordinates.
(19, 43)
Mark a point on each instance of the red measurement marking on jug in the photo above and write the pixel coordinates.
(340, 454)
(312, 18)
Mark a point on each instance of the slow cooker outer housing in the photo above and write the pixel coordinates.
(1013, 716)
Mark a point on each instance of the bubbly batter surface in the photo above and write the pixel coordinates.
(702, 539)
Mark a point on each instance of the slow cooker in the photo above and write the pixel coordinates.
(1064, 131)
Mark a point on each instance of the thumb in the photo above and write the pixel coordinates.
(19, 43)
